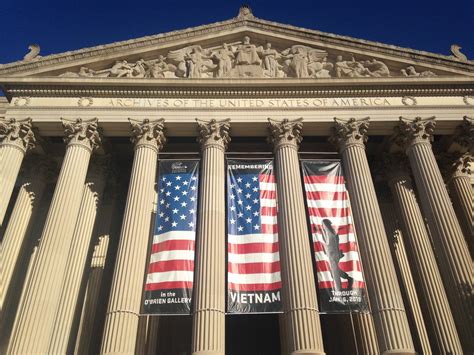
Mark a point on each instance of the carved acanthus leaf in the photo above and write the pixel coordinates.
(412, 131)
(455, 164)
(396, 166)
(83, 132)
(148, 132)
(464, 135)
(214, 132)
(285, 132)
(18, 133)
(349, 132)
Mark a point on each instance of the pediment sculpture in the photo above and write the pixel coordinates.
(244, 59)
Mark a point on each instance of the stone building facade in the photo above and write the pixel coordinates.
(81, 133)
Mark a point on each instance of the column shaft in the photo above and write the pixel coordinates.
(29, 196)
(463, 201)
(209, 292)
(122, 318)
(365, 334)
(389, 315)
(300, 305)
(34, 327)
(299, 290)
(440, 322)
(405, 276)
(89, 308)
(77, 258)
(451, 249)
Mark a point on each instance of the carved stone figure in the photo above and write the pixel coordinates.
(247, 53)
(350, 69)
(320, 69)
(456, 50)
(224, 58)
(411, 71)
(377, 68)
(33, 53)
(83, 72)
(158, 68)
(192, 62)
(270, 63)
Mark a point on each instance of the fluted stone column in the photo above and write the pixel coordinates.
(298, 285)
(16, 137)
(34, 326)
(121, 324)
(450, 247)
(391, 324)
(78, 257)
(365, 334)
(407, 284)
(24, 210)
(439, 320)
(462, 195)
(209, 285)
(89, 307)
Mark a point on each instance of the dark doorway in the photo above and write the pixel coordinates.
(256, 334)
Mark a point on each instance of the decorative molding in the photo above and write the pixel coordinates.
(351, 132)
(82, 132)
(41, 90)
(214, 133)
(149, 133)
(285, 133)
(17, 133)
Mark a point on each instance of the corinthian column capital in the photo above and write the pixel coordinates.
(17, 133)
(82, 132)
(214, 133)
(347, 133)
(148, 133)
(412, 132)
(464, 135)
(453, 165)
(396, 167)
(285, 133)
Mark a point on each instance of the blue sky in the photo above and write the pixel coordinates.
(62, 25)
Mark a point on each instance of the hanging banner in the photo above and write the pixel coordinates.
(253, 278)
(341, 285)
(169, 280)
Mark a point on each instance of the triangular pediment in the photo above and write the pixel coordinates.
(243, 47)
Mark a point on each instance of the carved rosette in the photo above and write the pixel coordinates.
(214, 133)
(285, 133)
(148, 133)
(351, 132)
(17, 133)
(82, 132)
(411, 132)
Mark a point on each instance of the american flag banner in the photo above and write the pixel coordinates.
(253, 277)
(341, 285)
(170, 274)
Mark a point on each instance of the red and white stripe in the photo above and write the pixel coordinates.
(254, 259)
(327, 198)
(171, 261)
